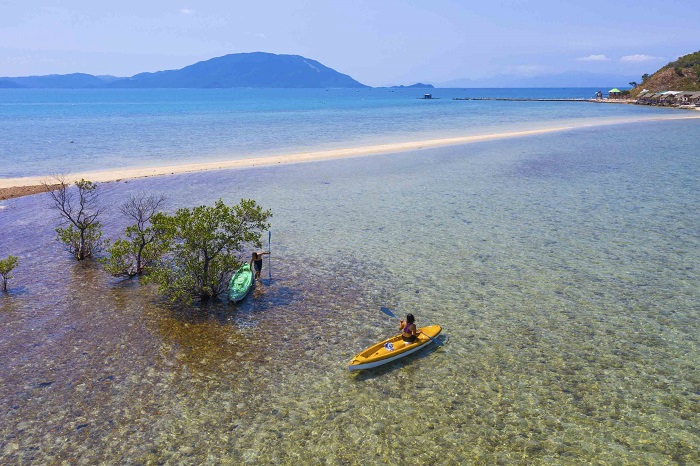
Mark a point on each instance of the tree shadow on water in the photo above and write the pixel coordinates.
(223, 311)
(13, 291)
(264, 296)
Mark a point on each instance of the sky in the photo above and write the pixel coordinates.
(377, 42)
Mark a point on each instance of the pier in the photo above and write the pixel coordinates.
(525, 99)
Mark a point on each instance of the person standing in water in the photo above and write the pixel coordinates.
(256, 262)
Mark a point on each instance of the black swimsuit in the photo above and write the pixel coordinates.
(258, 265)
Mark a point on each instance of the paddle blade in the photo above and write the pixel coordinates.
(388, 312)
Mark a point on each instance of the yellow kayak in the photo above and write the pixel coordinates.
(392, 349)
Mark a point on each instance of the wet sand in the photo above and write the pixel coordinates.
(19, 191)
(23, 186)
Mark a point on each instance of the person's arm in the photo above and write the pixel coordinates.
(263, 252)
(402, 324)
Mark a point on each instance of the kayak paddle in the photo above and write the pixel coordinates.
(388, 312)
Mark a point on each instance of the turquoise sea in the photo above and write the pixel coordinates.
(564, 269)
(60, 131)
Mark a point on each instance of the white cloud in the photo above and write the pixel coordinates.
(594, 58)
(638, 58)
(186, 11)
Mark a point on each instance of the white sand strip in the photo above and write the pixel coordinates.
(141, 172)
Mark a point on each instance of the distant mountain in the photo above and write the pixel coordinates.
(680, 75)
(60, 81)
(414, 86)
(568, 79)
(7, 84)
(258, 69)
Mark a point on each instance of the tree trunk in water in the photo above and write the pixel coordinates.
(81, 246)
(206, 293)
(138, 257)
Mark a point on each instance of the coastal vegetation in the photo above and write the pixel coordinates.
(680, 75)
(79, 210)
(6, 266)
(204, 242)
(189, 255)
(144, 245)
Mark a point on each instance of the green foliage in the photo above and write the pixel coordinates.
(79, 211)
(204, 243)
(81, 243)
(680, 75)
(137, 254)
(688, 68)
(686, 61)
(6, 266)
(144, 244)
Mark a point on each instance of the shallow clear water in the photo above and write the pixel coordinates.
(563, 269)
(52, 131)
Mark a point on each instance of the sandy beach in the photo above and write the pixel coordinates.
(23, 186)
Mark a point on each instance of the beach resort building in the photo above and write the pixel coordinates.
(670, 98)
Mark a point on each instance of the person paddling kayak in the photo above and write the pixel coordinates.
(256, 262)
(409, 332)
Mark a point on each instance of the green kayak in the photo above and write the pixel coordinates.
(240, 284)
